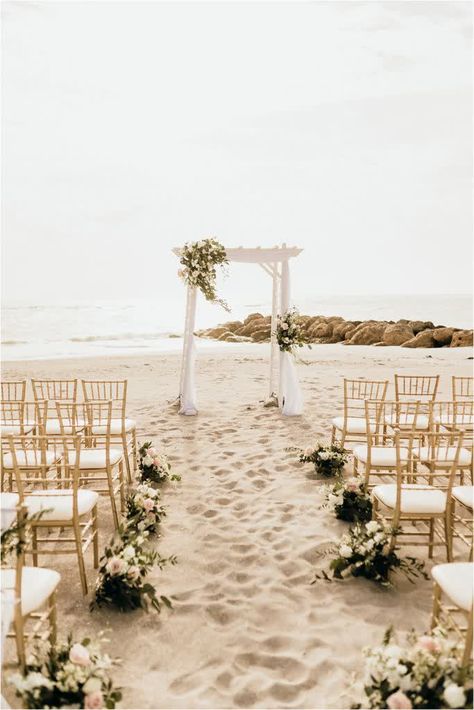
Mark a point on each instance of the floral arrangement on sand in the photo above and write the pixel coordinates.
(144, 509)
(199, 261)
(348, 500)
(13, 537)
(67, 675)
(426, 673)
(154, 467)
(289, 333)
(327, 460)
(123, 570)
(366, 552)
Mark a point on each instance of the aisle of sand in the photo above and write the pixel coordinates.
(247, 628)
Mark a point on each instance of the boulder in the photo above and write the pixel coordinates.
(368, 334)
(232, 338)
(321, 330)
(232, 325)
(397, 334)
(443, 336)
(249, 328)
(424, 339)
(252, 317)
(340, 329)
(216, 332)
(418, 326)
(258, 336)
(462, 339)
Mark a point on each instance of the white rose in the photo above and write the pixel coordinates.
(454, 696)
(284, 326)
(128, 552)
(372, 527)
(147, 461)
(345, 551)
(323, 455)
(93, 685)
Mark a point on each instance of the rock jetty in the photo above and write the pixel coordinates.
(334, 329)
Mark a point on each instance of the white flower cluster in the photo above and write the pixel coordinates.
(405, 678)
(144, 508)
(199, 261)
(71, 669)
(364, 540)
(334, 494)
(127, 560)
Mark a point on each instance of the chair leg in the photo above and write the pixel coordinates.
(52, 618)
(431, 539)
(126, 456)
(34, 536)
(80, 558)
(468, 643)
(134, 450)
(122, 487)
(20, 644)
(448, 534)
(112, 498)
(436, 605)
(333, 435)
(95, 540)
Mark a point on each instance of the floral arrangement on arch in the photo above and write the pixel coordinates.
(199, 261)
(289, 333)
(427, 673)
(123, 569)
(154, 467)
(143, 508)
(327, 460)
(348, 500)
(67, 675)
(366, 551)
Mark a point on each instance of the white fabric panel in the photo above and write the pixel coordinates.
(455, 579)
(59, 504)
(8, 510)
(37, 584)
(414, 499)
(188, 400)
(293, 403)
(465, 495)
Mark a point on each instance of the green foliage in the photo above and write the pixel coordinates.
(289, 333)
(199, 261)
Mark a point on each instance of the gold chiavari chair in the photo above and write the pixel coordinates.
(378, 456)
(13, 390)
(63, 503)
(20, 419)
(351, 427)
(462, 505)
(29, 593)
(456, 416)
(462, 388)
(54, 390)
(452, 598)
(122, 428)
(101, 465)
(422, 388)
(415, 501)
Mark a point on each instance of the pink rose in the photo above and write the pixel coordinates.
(79, 655)
(94, 701)
(156, 461)
(152, 451)
(115, 566)
(308, 451)
(399, 701)
(428, 643)
(352, 485)
(148, 504)
(133, 573)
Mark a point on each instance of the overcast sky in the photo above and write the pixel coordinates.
(132, 127)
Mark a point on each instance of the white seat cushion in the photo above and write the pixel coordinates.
(115, 426)
(455, 579)
(31, 459)
(465, 495)
(95, 458)
(462, 420)
(444, 455)
(414, 498)
(37, 584)
(354, 425)
(53, 426)
(380, 456)
(405, 421)
(16, 429)
(58, 503)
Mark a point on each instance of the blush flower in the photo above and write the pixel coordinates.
(94, 701)
(399, 701)
(79, 655)
(115, 566)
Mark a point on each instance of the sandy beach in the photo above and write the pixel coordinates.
(247, 628)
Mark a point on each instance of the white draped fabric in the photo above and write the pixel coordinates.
(289, 396)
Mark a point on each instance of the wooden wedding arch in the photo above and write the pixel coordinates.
(274, 261)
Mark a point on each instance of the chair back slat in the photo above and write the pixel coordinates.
(55, 389)
(13, 390)
(420, 387)
(462, 388)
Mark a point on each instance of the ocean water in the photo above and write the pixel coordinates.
(141, 326)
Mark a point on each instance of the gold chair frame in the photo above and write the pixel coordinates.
(356, 392)
(13, 390)
(419, 387)
(446, 615)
